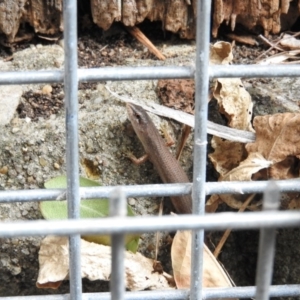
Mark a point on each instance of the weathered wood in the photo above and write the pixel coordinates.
(176, 15)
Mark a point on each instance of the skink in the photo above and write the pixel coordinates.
(164, 162)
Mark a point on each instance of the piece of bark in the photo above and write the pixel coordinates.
(176, 16)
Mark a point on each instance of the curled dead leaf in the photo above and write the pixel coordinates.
(212, 203)
(96, 265)
(213, 273)
(227, 154)
(234, 102)
(237, 202)
(220, 53)
(243, 172)
(289, 42)
(252, 164)
(294, 203)
(278, 141)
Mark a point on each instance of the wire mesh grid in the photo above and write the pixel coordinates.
(267, 220)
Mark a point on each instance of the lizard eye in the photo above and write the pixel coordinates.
(138, 118)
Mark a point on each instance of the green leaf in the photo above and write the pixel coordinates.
(91, 208)
(60, 182)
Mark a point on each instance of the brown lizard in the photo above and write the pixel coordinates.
(165, 163)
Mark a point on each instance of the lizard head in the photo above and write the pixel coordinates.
(142, 124)
(138, 118)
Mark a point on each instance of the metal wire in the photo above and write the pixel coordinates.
(266, 251)
(72, 155)
(200, 142)
(118, 208)
(247, 220)
(151, 190)
(148, 73)
(291, 290)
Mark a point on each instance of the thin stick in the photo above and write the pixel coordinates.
(186, 130)
(272, 45)
(221, 131)
(228, 231)
(157, 234)
(136, 32)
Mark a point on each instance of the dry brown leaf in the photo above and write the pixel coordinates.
(220, 53)
(96, 265)
(286, 169)
(226, 157)
(212, 203)
(278, 141)
(251, 165)
(275, 154)
(290, 42)
(227, 154)
(234, 102)
(213, 273)
(237, 202)
(244, 172)
(294, 203)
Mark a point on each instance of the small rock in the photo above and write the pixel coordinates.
(43, 162)
(4, 170)
(131, 201)
(15, 130)
(25, 251)
(47, 89)
(24, 212)
(15, 270)
(15, 122)
(57, 64)
(89, 146)
(56, 166)
(111, 53)
(98, 100)
(12, 173)
(30, 179)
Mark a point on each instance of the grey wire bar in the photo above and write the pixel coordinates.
(118, 208)
(291, 290)
(266, 251)
(148, 73)
(247, 220)
(150, 190)
(72, 155)
(200, 142)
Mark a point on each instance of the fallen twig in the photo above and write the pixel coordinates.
(136, 32)
(224, 132)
